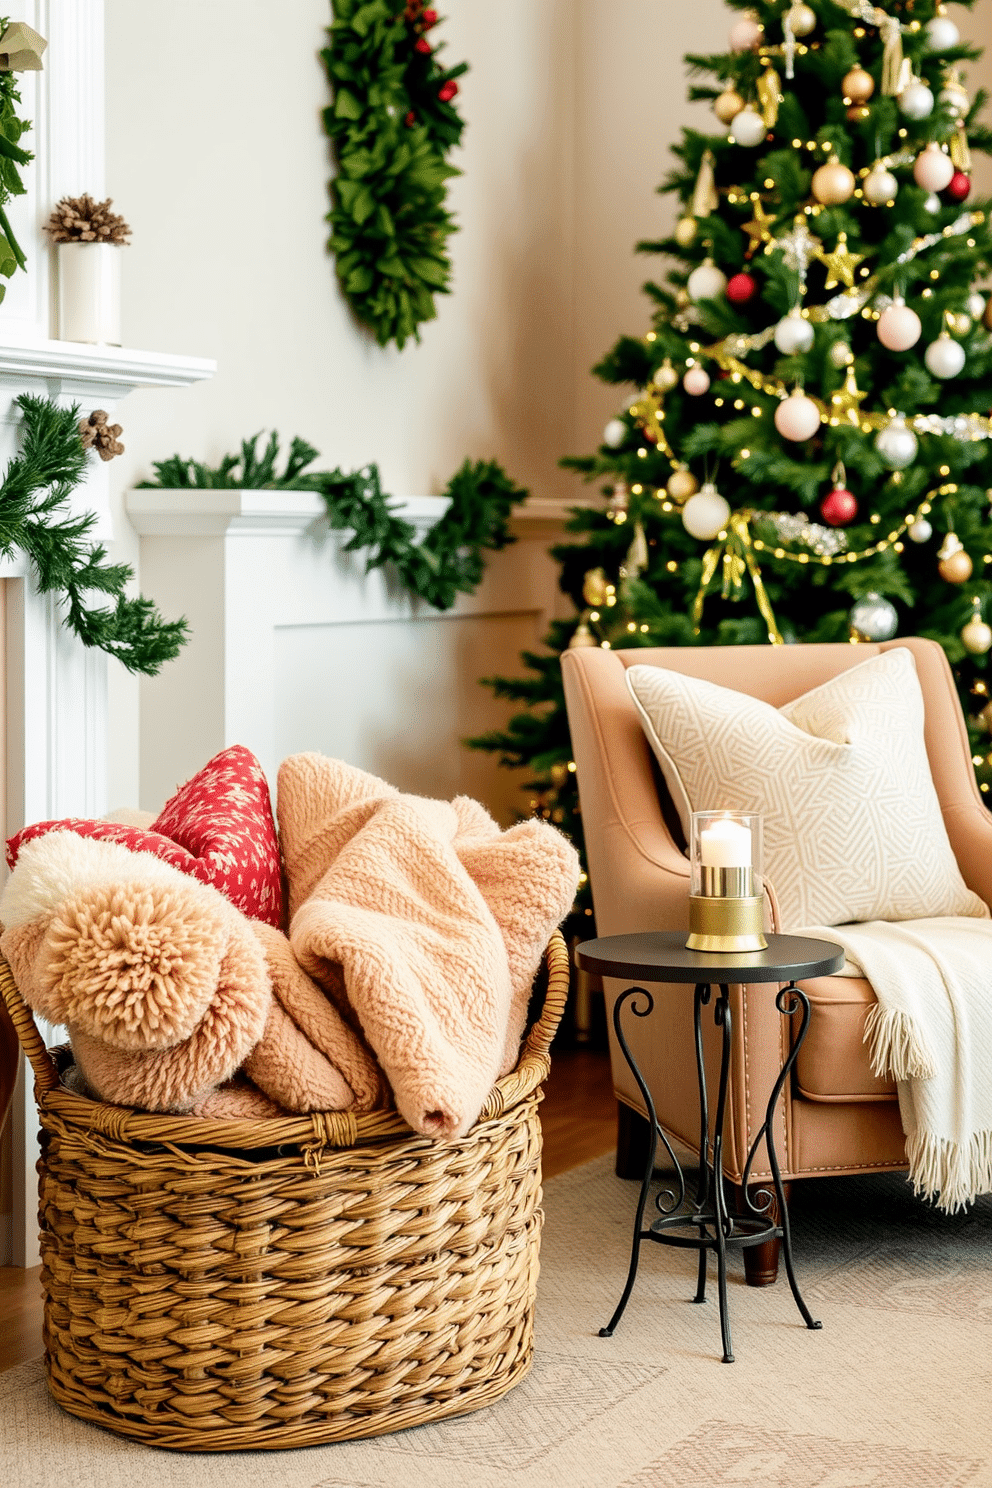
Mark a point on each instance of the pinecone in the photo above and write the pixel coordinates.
(79, 219)
(97, 434)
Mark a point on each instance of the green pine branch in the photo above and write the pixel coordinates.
(34, 518)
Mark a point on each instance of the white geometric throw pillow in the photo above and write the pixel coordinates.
(852, 825)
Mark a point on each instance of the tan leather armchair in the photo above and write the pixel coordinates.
(837, 1117)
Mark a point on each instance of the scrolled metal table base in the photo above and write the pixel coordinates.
(707, 1212)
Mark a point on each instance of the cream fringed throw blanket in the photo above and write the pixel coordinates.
(931, 1031)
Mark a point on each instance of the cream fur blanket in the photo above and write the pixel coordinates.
(433, 920)
(931, 1031)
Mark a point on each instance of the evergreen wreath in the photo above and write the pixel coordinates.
(35, 488)
(12, 156)
(449, 560)
(391, 125)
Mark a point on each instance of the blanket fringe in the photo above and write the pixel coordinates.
(895, 1048)
(952, 1174)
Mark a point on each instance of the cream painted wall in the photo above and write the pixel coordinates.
(219, 162)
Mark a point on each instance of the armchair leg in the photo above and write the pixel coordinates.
(633, 1137)
(761, 1261)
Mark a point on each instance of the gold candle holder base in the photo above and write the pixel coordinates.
(717, 924)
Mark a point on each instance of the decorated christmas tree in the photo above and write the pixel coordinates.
(803, 449)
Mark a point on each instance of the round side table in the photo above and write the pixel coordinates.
(661, 956)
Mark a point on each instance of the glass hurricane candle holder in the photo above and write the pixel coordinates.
(726, 900)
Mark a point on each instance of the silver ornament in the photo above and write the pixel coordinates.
(976, 305)
(919, 531)
(933, 203)
(944, 357)
(897, 444)
(615, 433)
(942, 34)
(873, 618)
(916, 101)
(880, 187)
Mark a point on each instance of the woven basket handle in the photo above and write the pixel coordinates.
(559, 975)
(45, 1074)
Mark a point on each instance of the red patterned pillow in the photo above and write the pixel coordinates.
(218, 827)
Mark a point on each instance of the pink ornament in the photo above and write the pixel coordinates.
(741, 288)
(696, 381)
(745, 34)
(899, 327)
(839, 507)
(957, 188)
(933, 169)
(797, 418)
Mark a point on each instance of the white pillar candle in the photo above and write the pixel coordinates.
(725, 844)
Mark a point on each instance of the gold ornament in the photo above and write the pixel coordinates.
(840, 264)
(769, 96)
(801, 19)
(976, 635)
(833, 183)
(954, 564)
(857, 85)
(728, 105)
(845, 404)
(665, 376)
(582, 636)
(704, 194)
(637, 557)
(682, 484)
(758, 229)
(685, 232)
(595, 588)
(958, 323)
(559, 775)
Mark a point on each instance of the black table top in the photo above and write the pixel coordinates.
(661, 956)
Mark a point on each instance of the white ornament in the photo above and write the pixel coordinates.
(793, 334)
(665, 376)
(945, 356)
(696, 381)
(955, 99)
(932, 169)
(802, 20)
(897, 444)
(874, 618)
(707, 282)
(916, 101)
(745, 34)
(748, 128)
(880, 186)
(797, 417)
(919, 531)
(942, 34)
(933, 203)
(615, 433)
(898, 327)
(705, 515)
(976, 305)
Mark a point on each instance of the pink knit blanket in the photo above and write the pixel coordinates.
(416, 930)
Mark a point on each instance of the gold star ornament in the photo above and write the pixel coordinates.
(845, 403)
(758, 229)
(840, 264)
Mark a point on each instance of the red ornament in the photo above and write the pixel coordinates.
(958, 186)
(422, 45)
(741, 288)
(447, 91)
(410, 118)
(839, 507)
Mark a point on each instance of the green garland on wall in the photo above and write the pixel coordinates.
(34, 518)
(391, 124)
(448, 561)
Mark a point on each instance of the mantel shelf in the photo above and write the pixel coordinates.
(112, 371)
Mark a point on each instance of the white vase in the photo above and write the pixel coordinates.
(89, 296)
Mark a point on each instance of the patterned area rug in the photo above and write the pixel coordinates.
(895, 1391)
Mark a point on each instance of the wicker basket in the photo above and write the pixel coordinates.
(231, 1285)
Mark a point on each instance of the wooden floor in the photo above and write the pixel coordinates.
(579, 1119)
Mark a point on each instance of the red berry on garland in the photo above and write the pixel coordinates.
(422, 45)
(840, 505)
(429, 19)
(447, 91)
(741, 288)
(958, 186)
(411, 118)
